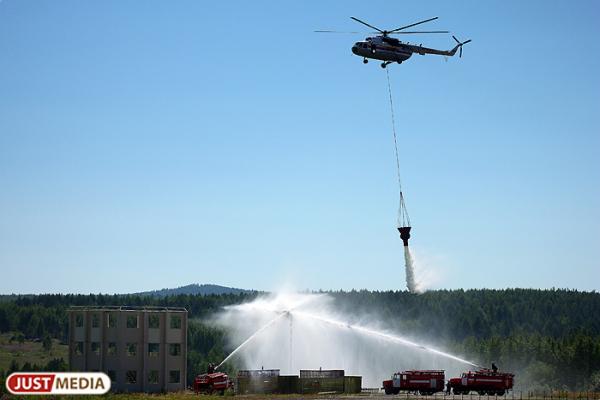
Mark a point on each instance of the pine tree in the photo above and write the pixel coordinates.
(47, 343)
(13, 367)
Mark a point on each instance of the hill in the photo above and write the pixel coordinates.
(194, 289)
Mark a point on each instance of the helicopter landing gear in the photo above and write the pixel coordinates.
(385, 64)
(365, 61)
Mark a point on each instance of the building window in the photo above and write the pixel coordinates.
(131, 349)
(78, 348)
(78, 320)
(95, 347)
(95, 321)
(112, 374)
(175, 322)
(153, 377)
(132, 321)
(112, 320)
(131, 377)
(174, 376)
(154, 321)
(112, 349)
(153, 349)
(175, 349)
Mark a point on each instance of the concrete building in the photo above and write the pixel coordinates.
(141, 349)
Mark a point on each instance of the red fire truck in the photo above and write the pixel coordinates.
(216, 382)
(484, 381)
(424, 382)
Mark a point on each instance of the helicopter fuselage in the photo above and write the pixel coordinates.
(384, 49)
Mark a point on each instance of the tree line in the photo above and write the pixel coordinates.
(551, 337)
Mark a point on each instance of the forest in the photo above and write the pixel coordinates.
(551, 336)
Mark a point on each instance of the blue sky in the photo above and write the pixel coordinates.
(155, 144)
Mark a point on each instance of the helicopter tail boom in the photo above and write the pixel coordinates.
(448, 53)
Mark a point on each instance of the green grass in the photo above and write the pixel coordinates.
(30, 351)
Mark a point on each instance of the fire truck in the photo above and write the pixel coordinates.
(212, 382)
(423, 382)
(217, 382)
(483, 381)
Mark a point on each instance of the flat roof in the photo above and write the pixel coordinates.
(128, 308)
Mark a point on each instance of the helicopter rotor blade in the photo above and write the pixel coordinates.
(460, 54)
(411, 32)
(416, 23)
(454, 37)
(324, 31)
(364, 23)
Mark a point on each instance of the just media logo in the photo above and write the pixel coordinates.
(26, 383)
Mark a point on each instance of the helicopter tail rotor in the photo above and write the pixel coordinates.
(459, 46)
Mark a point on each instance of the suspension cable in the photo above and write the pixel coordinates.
(403, 219)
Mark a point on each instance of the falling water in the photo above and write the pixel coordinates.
(410, 271)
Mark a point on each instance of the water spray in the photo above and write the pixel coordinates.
(291, 352)
(298, 315)
(251, 337)
(265, 307)
(383, 335)
(409, 269)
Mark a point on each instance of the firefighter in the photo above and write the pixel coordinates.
(494, 368)
(211, 368)
(448, 387)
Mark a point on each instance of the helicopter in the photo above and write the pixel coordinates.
(389, 49)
